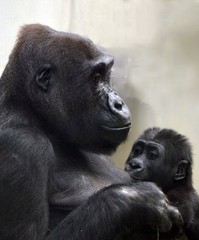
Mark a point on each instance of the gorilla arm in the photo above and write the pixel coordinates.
(121, 208)
(105, 215)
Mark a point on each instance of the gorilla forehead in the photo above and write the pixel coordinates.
(48, 43)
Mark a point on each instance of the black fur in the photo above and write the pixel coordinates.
(164, 157)
(58, 116)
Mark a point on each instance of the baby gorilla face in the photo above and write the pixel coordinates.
(155, 157)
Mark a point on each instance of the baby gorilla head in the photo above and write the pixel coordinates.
(162, 156)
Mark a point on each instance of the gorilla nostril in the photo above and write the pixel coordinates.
(135, 165)
(119, 109)
(118, 105)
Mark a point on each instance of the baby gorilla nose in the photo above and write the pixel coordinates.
(135, 165)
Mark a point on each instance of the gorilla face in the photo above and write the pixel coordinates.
(146, 161)
(161, 156)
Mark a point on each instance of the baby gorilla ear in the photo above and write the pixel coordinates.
(181, 170)
(43, 76)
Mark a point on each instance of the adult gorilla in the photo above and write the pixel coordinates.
(58, 114)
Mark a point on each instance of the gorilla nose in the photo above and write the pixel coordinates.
(118, 107)
(135, 165)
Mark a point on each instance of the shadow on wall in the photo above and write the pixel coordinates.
(142, 113)
(159, 80)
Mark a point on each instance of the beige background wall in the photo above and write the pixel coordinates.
(156, 48)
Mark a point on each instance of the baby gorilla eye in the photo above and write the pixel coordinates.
(152, 155)
(137, 151)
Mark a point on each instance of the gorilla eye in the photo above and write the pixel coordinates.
(98, 77)
(152, 155)
(137, 151)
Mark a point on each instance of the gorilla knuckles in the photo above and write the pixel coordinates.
(73, 68)
(56, 100)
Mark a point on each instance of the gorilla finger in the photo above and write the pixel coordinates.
(164, 223)
(175, 216)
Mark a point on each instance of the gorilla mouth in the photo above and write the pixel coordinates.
(110, 128)
(135, 173)
(138, 176)
(115, 134)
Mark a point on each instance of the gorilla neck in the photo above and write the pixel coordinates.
(177, 185)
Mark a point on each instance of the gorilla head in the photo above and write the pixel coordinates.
(162, 156)
(66, 88)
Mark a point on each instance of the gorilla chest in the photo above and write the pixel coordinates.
(76, 178)
(73, 188)
(70, 191)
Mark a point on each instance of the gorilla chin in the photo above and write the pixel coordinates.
(116, 134)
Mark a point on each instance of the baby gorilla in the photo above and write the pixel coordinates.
(164, 157)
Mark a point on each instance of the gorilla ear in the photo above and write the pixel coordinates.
(43, 76)
(181, 170)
